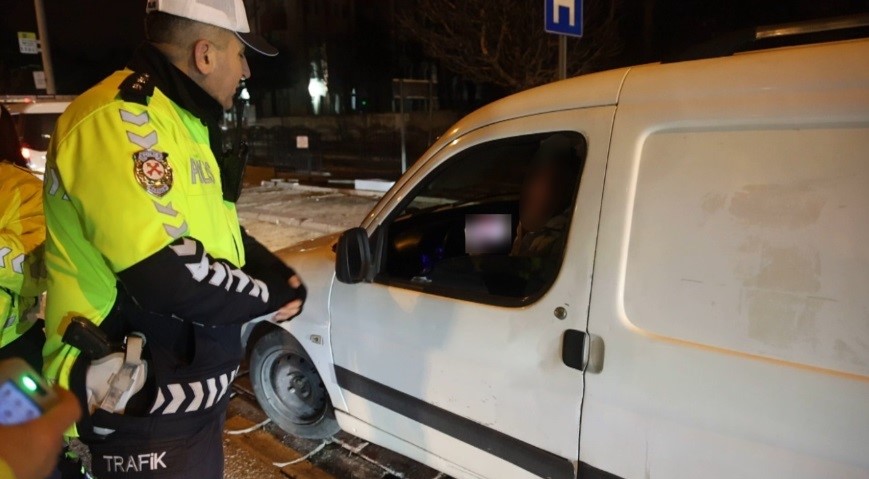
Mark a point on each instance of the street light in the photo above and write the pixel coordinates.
(317, 88)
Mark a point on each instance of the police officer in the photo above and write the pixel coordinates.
(144, 241)
(22, 234)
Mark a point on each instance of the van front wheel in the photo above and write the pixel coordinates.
(289, 388)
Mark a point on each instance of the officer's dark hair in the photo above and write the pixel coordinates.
(10, 146)
(161, 27)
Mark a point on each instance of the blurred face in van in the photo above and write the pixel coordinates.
(549, 183)
(541, 198)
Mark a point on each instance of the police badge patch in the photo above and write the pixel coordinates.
(153, 171)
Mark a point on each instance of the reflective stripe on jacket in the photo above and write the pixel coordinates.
(123, 181)
(22, 234)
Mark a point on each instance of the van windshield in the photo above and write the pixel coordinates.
(36, 129)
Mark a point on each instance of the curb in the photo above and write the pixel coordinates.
(304, 223)
(288, 185)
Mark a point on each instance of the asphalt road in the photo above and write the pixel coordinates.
(285, 214)
(255, 448)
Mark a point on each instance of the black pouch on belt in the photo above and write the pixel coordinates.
(190, 368)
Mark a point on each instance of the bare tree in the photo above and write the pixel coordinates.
(503, 41)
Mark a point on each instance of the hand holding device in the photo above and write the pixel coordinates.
(24, 394)
(31, 448)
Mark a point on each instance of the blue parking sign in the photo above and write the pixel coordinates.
(563, 17)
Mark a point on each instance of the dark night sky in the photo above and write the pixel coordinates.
(685, 22)
(91, 38)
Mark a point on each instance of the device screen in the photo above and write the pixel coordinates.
(16, 407)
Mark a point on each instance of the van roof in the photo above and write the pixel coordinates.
(595, 89)
(836, 67)
(38, 107)
(788, 34)
(691, 78)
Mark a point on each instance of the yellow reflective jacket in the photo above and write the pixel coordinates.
(123, 181)
(22, 234)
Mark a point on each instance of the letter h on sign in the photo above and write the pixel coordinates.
(563, 17)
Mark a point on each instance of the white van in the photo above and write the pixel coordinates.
(35, 121)
(699, 309)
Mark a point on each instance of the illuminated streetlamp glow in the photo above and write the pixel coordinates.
(317, 88)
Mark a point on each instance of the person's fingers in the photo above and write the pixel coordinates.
(49, 443)
(287, 313)
(295, 282)
(63, 414)
(289, 310)
(296, 304)
(292, 305)
(280, 318)
(44, 436)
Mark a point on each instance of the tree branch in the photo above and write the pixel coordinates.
(507, 46)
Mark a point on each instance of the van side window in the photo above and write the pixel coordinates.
(491, 224)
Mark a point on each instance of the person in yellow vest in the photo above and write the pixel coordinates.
(144, 242)
(22, 235)
(29, 450)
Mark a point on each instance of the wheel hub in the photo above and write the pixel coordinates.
(300, 386)
(296, 388)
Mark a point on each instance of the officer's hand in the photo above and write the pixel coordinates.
(293, 308)
(32, 449)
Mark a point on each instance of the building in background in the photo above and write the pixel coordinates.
(341, 56)
(337, 56)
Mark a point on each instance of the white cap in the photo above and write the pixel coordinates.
(228, 14)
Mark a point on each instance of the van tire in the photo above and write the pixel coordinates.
(289, 388)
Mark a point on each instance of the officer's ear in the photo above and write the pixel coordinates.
(204, 56)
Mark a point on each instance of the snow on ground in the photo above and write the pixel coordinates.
(282, 214)
(277, 236)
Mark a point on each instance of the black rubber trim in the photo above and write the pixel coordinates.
(587, 471)
(524, 455)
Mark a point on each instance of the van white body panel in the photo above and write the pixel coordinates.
(315, 263)
(368, 432)
(719, 251)
(732, 270)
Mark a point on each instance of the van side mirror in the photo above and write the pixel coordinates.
(353, 256)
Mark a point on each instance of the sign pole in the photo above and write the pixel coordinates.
(563, 18)
(403, 126)
(562, 57)
(46, 49)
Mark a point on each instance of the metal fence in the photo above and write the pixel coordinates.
(346, 146)
(286, 148)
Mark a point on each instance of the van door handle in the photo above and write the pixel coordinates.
(582, 351)
(573, 349)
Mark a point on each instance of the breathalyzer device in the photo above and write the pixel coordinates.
(24, 393)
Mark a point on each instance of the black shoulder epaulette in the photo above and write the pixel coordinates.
(137, 88)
